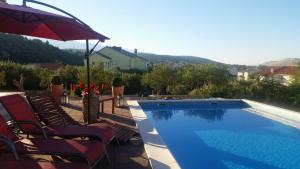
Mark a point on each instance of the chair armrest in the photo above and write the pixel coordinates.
(11, 146)
(55, 113)
(34, 123)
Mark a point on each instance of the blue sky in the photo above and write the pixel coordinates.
(231, 31)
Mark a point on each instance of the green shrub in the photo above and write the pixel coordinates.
(12, 71)
(69, 75)
(195, 92)
(97, 74)
(132, 83)
(2, 78)
(31, 79)
(160, 78)
(204, 92)
(78, 91)
(178, 89)
(117, 82)
(56, 80)
(45, 78)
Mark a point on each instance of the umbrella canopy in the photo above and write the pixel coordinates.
(24, 20)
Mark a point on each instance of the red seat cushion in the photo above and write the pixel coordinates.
(41, 165)
(91, 150)
(103, 132)
(19, 109)
(107, 130)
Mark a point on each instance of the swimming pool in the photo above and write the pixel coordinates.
(223, 134)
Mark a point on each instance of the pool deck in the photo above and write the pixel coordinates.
(125, 155)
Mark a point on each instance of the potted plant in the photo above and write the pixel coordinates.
(57, 88)
(94, 102)
(117, 88)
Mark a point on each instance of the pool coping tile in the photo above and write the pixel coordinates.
(287, 117)
(158, 153)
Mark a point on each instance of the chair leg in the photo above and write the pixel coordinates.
(107, 156)
(117, 140)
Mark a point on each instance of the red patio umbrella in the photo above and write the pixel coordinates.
(33, 22)
(24, 20)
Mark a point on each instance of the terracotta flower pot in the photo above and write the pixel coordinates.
(57, 91)
(94, 108)
(116, 91)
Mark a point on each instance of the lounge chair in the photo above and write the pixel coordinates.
(21, 112)
(16, 163)
(29, 164)
(91, 151)
(43, 102)
(40, 165)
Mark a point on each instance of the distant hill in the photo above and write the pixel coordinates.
(73, 45)
(24, 50)
(156, 59)
(284, 62)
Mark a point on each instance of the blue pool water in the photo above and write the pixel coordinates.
(222, 135)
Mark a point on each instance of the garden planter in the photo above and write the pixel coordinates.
(117, 91)
(94, 108)
(57, 91)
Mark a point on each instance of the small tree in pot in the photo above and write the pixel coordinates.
(57, 88)
(117, 87)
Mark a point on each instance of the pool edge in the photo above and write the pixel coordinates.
(285, 116)
(157, 151)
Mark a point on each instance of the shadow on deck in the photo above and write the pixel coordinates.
(126, 155)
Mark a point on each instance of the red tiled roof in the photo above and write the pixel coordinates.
(278, 70)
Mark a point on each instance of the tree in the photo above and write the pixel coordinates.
(69, 75)
(97, 74)
(160, 78)
(45, 78)
(23, 50)
(12, 72)
(195, 76)
(132, 82)
(31, 79)
(215, 75)
(177, 89)
(191, 76)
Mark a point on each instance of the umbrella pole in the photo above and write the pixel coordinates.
(88, 80)
(88, 52)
